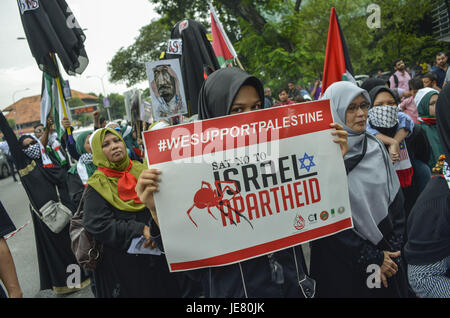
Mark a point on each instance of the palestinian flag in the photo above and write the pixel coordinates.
(51, 102)
(337, 65)
(221, 44)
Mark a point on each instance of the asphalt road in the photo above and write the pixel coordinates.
(22, 244)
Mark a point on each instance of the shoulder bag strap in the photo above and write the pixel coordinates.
(83, 196)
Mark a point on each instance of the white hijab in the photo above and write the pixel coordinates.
(371, 188)
(421, 94)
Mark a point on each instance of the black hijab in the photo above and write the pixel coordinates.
(55, 174)
(429, 221)
(221, 87)
(196, 55)
(372, 82)
(443, 120)
(381, 88)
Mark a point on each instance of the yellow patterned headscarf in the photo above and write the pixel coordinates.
(115, 181)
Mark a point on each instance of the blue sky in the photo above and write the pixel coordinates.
(111, 24)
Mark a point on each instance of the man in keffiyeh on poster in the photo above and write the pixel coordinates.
(166, 89)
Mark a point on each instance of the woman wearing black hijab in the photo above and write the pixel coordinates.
(41, 176)
(281, 274)
(427, 251)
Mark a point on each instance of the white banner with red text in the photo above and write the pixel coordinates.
(241, 186)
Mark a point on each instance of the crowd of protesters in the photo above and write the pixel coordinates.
(394, 137)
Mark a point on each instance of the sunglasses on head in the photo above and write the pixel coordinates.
(31, 143)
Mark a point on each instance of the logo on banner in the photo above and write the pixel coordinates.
(175, 46)
(28, 5)
(299, 222)
(324, 215)
(307, 162)
(207, 197)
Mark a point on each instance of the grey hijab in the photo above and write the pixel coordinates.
(371, 188)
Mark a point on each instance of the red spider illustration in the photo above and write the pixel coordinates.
(207, 197)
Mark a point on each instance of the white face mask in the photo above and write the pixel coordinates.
(383, 116)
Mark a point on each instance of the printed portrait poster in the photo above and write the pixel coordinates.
(146, 112)
(133, 101)
(166, 89)
(128, 95)
(241, 186)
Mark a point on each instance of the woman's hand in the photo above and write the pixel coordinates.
(394, 151)
(146, 185)
(389, 268)
(341, 137)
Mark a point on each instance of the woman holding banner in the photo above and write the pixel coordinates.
(115, 216)
(364, 261)
(281, 274)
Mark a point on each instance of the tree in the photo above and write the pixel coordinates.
(12, 123)
(282, 40)
(128, 64)
(117, 106)
(75, 102)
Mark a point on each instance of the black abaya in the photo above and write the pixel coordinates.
(120, 274)
(340, 263)
(53, 250)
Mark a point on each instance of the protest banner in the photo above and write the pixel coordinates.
(166, 89)
(237, 187)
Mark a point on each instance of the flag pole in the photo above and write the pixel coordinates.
(60, 93)
(239, 63)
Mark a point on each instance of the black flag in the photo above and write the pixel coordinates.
(197, 52)
(51, 27)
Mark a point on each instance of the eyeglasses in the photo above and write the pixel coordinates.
(38, 131)
(353, 108)
(31, 143)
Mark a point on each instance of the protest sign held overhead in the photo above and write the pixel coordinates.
(166, 89)
(248, 184)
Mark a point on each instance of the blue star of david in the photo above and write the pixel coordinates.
(310, 159)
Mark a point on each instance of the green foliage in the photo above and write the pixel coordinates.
(278, 44)
(117, 109)
(76, 101)
(129, 63)
(85, 119)
(12, 123)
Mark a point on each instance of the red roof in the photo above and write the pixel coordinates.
(28, 109)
